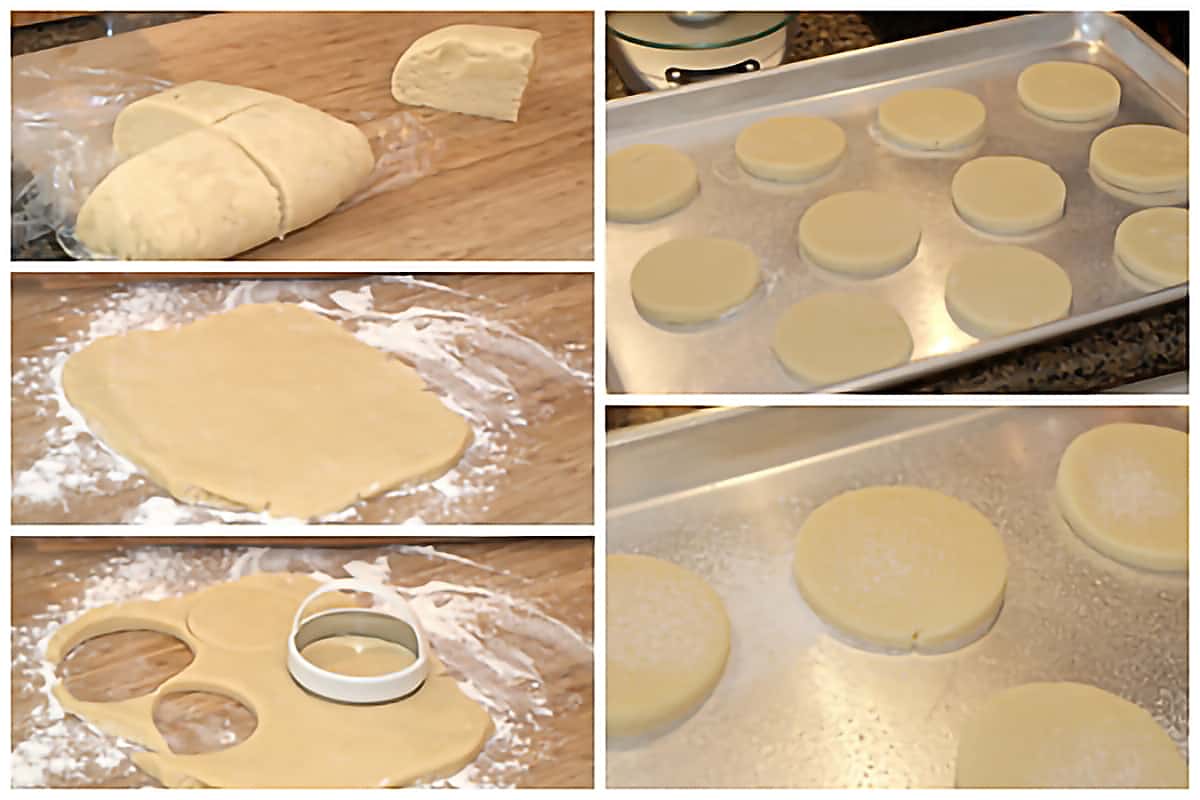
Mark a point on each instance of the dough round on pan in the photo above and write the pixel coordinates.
(1153, 244)
(835, 336)
(1123, 489)
(668, 641)
(1141, 158)
(1004, 288)
(860, 233)
(1008, 194)
(790, 148)
(1069, 91)
(648, 181)
(694, 280)
(902, 567)
(1065, 735)
(933, 119)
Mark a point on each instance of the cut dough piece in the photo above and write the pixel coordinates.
(834, 336)
(1003, 288)
(694, 280)
(1141, 158)
(648, 181)
(432, 733)
(1065, 736)
(790, 148)
(1008, 194)
(1153, 244)
(860, 233)
(469, 69)
(933, 119)
(668, 641)
(1124, 490)
(266, 407)
(181, 109)
(358, 656)
(902, 567)
(1069, 91)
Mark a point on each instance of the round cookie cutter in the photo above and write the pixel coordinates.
(395, 623)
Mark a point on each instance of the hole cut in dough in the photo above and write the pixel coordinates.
(1141, 158)
(860, 233)
(647, 181)
(99, 670)
(687, 281)
(834, 336)
(1002, 289)
(790, 149)
(1153, 245)
(1008, 194)
(1069, 91)
(202, 722)
(933, 119)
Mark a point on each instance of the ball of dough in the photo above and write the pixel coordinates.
(834, 336)
(1008, 194)
(860, 233)
(933, 119)
(1069, 91)
(1153, 244)
(790, 148)
(648, 181)
(1065, 735)
(1003, 288)
(668, 641)
(1123, 489)
(902, 567)
(1141, 158)
(694, 280)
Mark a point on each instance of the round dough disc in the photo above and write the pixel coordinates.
(835, 336)
(1069, 91)
(694, 280)
(1065, 735)
(902, 567)
(1004, 288)
(648, 181)
(1124, 490)
(860, 233)
(933, 119)
(1141, 158)
(1153, 244)
(1008, 194)
(790, 148)
(668, 641)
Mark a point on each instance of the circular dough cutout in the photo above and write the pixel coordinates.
(790, 149)
(1153, 245)
(693, 280)
(240, 618)
(1069, 91)
(1008, 194)
(860, 233)
(1141, 158)
(1123, 489)
(903, 568)
(1001, 289)
(668, 641)
(933, 119)
(1063, 736)
(648, 181)
(834, 336)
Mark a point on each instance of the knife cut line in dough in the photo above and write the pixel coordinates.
(834, 336)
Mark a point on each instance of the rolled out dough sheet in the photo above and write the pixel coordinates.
(646, 181)
(1153, 245)
(1069, 91)
(265, 407)
(834, 336)
(694, 280)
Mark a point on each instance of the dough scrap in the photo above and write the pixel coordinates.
(1153, 244)
(1065, 735)
(265, 407)
(860, 233)
(902, 567)
(1004, 288)
(791, 149)
(933, 119)
(432, 733)
(1123, 489)
(834, 336)
(1141, 158)
(668, 641)
(694, 280)
(1008, 194)
(1069, 91)
(648, 181)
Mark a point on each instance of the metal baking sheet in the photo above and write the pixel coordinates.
(733, 354)
(724, 492)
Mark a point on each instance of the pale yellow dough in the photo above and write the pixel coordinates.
(266, 407)
(694, 280)
(668, 641)
(902, 567)
(860, 233)
(301, 740)
(358, 656)
(181, 109)
(1069, 91)
(790, 149)
(834, 336)
(1153, 245)
(1141, 158)
(1004, 288)
(647, 181)
(1064, 736)
(1008, 194)
(933, 119)
(1123, 489)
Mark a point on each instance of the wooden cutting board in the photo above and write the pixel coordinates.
(499, 190)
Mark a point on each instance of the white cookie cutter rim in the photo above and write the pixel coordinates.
(358, 689)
